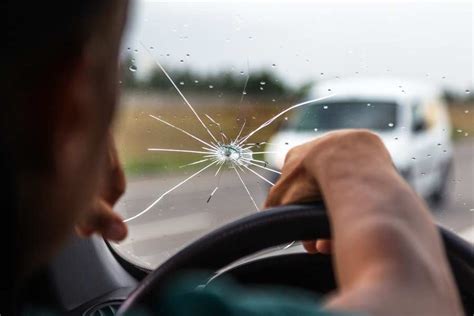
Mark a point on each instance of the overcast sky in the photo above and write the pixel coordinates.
(300, 40)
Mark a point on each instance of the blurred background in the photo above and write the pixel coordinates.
(246, 61)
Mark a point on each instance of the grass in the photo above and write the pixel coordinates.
(135, 131)
(462, 119)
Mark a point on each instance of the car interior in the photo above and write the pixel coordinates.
(88, 278)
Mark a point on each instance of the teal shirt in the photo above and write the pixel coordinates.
(225, 297)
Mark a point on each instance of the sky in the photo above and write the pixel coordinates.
(308, 40)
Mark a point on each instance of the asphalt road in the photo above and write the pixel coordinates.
(185, 214)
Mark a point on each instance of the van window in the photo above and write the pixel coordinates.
(368, 114)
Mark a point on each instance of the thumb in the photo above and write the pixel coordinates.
(103, 221)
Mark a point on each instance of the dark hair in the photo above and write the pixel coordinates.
(40, 37)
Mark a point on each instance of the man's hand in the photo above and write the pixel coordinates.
(102, 219)
(388, 255)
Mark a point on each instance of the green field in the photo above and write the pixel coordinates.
(135, 131)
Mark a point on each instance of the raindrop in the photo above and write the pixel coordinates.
(211, 86)
(439, 144)
(187, 55)
(250, 37)
(244, 93)
(261, 88)
(459, 130)
(151, 47)
(136, 50)
(329, 90)
(325, 107)
(286, 118)
(467, 111)
(396, 138)
(132, 68)
(196, 81)
(181, 83)
(467, 91)
(368, 104)
(322, 74)
(413, 158)
(315, 129)
(263, 83)
(242, 73)
(274, 65)
(428, 155)
(168, 55)
(181, 60)
(390, 124)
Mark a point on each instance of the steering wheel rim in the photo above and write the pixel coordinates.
(260, 231)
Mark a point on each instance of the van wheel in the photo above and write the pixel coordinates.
(440, 194)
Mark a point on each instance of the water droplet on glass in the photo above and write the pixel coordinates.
(244, 93)
(390, 124)
(263, 83)
(315, 129)
(136, 50)
(211, 86)
(242, 73)
(439, 144)
(467, 91)
(325, 107)
(329, 90)
(368, 104)
(413, 158)
(261, 88)
(274, 65)
(187, 55)
(322, 74)
(132, 68)
(467, 111)
(196, 81)
(181, 60)
(286, 118)
(151, 47)
(181, 83)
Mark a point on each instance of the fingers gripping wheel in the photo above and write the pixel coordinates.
(259, 231)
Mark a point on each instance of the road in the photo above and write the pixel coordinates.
(185, 214)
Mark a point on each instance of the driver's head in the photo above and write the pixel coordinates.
(59, 84)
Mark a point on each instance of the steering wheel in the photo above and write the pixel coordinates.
(274, 227)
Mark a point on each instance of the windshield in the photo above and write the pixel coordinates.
(368, 114)
(210, 89)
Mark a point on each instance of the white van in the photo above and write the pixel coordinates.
(410, 117)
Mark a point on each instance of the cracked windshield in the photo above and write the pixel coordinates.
(214, 94)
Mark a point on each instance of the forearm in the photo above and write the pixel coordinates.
(384, 238)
